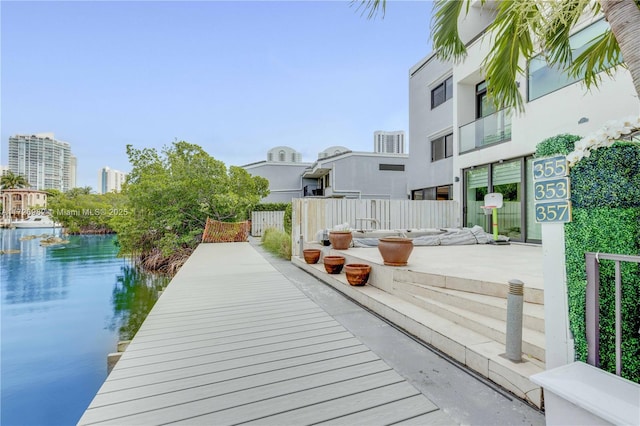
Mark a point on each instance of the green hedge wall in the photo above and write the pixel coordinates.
(605, 195)
(555, 145)
(605, 230)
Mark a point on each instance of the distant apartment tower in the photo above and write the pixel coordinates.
(45, 162)
(110, 180)
(388, 142)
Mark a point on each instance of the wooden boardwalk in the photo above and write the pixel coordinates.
(233, 341)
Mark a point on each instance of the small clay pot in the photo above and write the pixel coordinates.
(311, 255)
(333, 264)
(340, 240)
(357, 273)
(395, 251)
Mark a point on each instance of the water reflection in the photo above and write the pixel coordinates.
(62, 310)
(134, 294)
(26, 277)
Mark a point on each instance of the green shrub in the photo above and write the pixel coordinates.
(610, 177)
(556, 145)
(270, 207)
(277, 242)
(287, 218)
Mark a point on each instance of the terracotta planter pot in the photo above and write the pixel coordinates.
(395, 251)
(357, 273)
(333, 264)
(311, 255)
(340, 240)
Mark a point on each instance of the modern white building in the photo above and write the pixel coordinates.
(283, 169)
(45, 162)
(430, 164)
(338, 172)
(110, 180)
(350, 174)
(492, 151)
(388, 142)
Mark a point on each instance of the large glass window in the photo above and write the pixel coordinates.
(544, 79)
(506, 179)
(439, 193)
(476, 187)
(442, 147)
(442, 92)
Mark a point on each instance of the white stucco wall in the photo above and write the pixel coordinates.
(357, 175)
(285, 179)
(426, 124)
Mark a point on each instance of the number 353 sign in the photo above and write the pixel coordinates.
(551, 189)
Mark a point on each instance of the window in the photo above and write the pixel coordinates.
(484, 105)
(438, 193)
(281, 155)
(442, 92)
(544, 79)
(442, 147)
(392, 167)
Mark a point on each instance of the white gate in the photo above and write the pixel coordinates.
(260, 221)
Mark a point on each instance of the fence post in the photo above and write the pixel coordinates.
(514, 320)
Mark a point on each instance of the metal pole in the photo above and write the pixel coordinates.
(494, 223)
(514, 320)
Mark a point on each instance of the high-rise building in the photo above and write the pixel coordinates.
(110, 180)
(388, 142)
(45, 162)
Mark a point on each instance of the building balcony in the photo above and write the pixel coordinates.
(489, 130)
(313, 192)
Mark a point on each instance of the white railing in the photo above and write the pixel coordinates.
(261, 221)
(312, 215)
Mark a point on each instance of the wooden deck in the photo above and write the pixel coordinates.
(233, 341)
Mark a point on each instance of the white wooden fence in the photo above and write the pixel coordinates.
(311, 215)
(260, 221)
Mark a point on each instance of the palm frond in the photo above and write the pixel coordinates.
(370, 7)
(602, 55)
(560, 19)
(444, 30)
(512, 29)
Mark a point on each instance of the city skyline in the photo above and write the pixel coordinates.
(218, 74)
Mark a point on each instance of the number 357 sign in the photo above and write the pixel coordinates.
(551, 189)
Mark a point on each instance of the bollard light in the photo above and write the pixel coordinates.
(514, 320)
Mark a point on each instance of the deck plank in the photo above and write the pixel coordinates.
(389, 413)
(200, 401)
(231, 340)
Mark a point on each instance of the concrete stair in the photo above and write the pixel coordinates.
(481, 313)
(465, 319)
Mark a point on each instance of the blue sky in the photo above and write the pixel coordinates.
(236, 78)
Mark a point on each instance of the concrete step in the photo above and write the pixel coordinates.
(496, 289)
(472, 349)
(533, 342)
(491, 306)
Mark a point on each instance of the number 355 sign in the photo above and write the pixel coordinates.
(551, 188)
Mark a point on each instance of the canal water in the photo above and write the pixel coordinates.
(63, 309)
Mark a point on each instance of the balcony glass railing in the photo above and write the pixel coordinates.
(485, 131)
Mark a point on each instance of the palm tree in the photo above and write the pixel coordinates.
(9, 180)
(519, 25)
